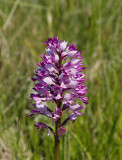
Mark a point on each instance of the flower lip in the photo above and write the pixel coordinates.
(61, 131)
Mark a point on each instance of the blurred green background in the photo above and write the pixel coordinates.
(95, 27)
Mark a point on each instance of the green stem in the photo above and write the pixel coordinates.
(57, 143)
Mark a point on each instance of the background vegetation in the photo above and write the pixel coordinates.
(95, 27)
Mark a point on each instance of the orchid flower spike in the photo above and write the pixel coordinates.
(59, 79)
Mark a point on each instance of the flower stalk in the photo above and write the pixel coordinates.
(57, 143)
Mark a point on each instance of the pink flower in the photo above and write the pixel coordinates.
(59, 79)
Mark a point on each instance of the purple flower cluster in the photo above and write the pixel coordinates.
(59, 79)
